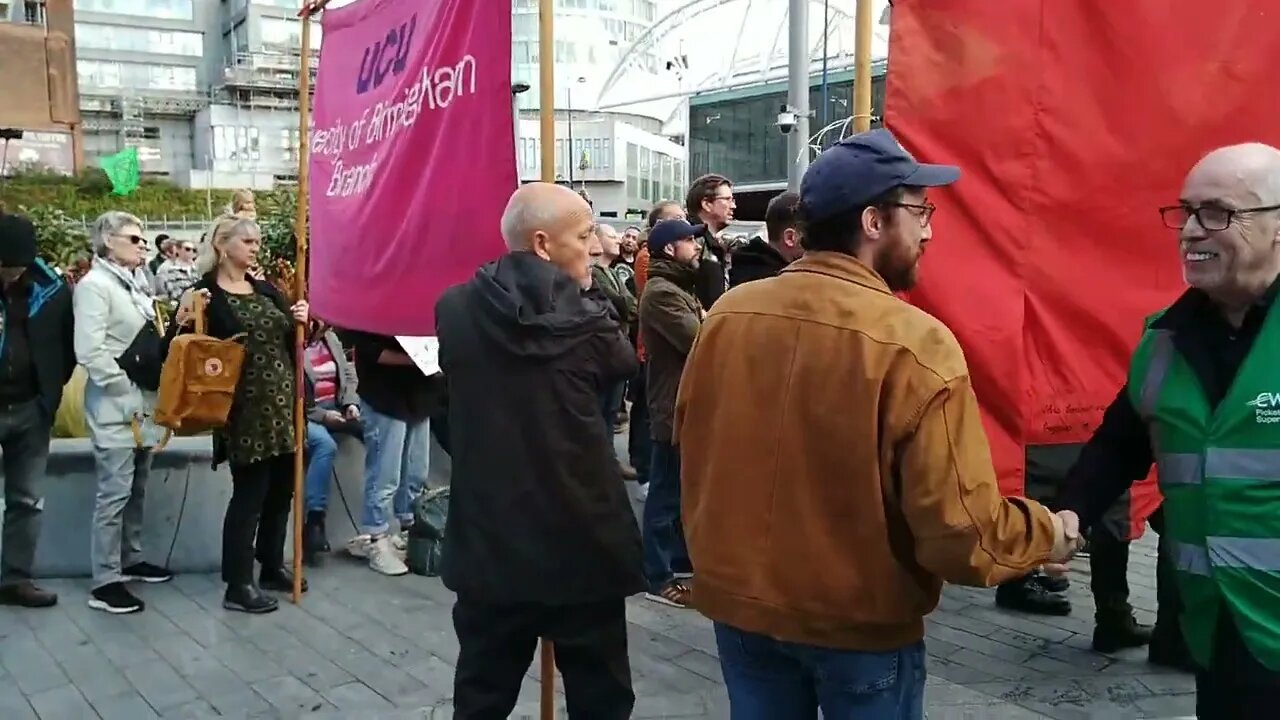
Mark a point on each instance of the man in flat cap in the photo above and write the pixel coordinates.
(36, 360)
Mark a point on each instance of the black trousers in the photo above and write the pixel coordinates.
(496, 643)
(1237, 686)
(260, 498)
(639, 446)
(1109, 571)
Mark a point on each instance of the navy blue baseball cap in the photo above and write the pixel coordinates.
(669, 231)
(856, 170)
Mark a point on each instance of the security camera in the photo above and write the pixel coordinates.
(786, 120)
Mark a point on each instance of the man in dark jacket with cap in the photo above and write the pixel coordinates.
(36, 360)
(670, 316)
(541, 539)
(764, 258)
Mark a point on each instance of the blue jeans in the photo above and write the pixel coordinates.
(321, 450)
(665, 553)
(396, 462)
(769, 679)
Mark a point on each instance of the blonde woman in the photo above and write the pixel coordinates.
(113, 307)
(258, 441)
(244, 205)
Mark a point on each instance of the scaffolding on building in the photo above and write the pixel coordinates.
(264, 79)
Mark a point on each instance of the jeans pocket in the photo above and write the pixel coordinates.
(860, 673)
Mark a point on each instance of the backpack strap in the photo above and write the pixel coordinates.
(198, 310)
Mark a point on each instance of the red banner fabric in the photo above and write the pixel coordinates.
(1073, 122)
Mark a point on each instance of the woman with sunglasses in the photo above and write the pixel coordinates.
(177, 274)
(117, 342)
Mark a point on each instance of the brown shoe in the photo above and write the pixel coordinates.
(24, 593)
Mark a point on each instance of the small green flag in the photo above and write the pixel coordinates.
(122, 170)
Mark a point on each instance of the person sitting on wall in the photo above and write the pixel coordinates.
(333, 406)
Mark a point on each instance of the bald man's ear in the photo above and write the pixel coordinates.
(538, 244)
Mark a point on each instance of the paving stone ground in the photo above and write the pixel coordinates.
(367, 647)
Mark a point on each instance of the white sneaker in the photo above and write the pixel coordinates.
(642, 492)
(358, 546)
(400, 541)
(384, 559)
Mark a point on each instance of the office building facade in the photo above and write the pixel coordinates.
(734, 132)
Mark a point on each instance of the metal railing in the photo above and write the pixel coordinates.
(192, 225)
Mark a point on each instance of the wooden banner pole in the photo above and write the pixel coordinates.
(547, 136)
(862, 67)
(300, 291)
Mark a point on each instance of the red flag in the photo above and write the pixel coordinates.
(1073, 122)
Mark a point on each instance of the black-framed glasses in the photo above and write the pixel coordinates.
(923, 212)
(1211, 217)
(135, 239)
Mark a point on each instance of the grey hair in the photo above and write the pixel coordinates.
(110, 223)
(525, 214)
(225, 228)
(604, 229)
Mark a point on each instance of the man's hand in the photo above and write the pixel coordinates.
(353, 412)
(333, 418)
(1066, 541)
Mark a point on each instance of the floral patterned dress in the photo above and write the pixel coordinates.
(261, 422)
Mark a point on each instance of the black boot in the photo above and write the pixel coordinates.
(1031, 597)
(1115, 626)
(314, 539)
(279, 579)
(248, 599)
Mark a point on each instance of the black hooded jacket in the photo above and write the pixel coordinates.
(538, 512)
(755, 261)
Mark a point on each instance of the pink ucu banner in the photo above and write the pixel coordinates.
(412, 157)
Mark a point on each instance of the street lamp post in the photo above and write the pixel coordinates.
(570, 158)
(517, 89)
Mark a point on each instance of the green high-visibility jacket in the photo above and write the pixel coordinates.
(1219, 472)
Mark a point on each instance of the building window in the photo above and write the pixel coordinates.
(633, 173)
(281, 34)
(239, 143)
(130, 39)
(107, 74)
(160, 9)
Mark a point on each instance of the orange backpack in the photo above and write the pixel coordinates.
(198, 380)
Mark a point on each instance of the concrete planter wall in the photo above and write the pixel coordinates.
(186, 500)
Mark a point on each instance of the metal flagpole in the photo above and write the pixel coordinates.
(862, 67)
(300, 285)
(798, 91)
(547, 135)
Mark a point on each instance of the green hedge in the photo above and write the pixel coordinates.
(89, 195)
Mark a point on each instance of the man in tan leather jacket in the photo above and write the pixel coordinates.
(835, 470)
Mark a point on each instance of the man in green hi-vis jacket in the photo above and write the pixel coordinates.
(1203, 403)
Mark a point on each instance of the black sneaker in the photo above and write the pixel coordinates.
(116, 599)
(147, 573)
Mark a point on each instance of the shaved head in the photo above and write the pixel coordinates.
(554, 223)
(1251, 170)
(1230, 243)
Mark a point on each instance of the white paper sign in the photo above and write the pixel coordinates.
(424, 351)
